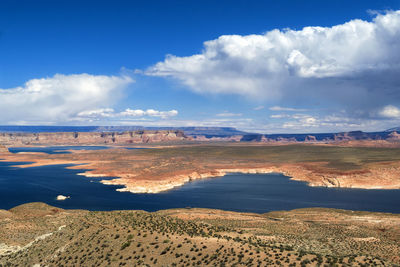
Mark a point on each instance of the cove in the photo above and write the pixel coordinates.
(54, 149)
(62, 149)
(258, 193)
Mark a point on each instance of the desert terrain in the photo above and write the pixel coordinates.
(164, 167)
(36, 233)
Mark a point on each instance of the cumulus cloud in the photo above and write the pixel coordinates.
(99, 114)
(278, 108)
(61, 98)
(229, 114)
(150, 112)
(133, 112)
(279, 116)
(390, 111)
(330, 123)
(354, 66)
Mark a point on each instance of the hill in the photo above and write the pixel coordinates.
(39, 234)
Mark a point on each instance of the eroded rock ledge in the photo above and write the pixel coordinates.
(3, 149)
(374, 179)
(157, 170)
(91, 138)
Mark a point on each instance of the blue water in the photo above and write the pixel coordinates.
(62, 149)
(54, 149)
(237, 192)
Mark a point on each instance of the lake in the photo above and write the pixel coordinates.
(54, 149)
(237, 192)
(63, 149)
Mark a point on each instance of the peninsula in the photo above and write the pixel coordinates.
(167, 166)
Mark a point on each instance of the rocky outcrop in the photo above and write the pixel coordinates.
(3, 149)
(310, 138)
(92, 138)
(378, 178)
(322, 137)
(203, 138)
(394, 136)
(170, 182)
(26, 135)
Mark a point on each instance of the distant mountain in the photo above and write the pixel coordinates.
(218, 133)
(211, 131)
(206, 131)
(46, 129)
(395, 129)
(318, 137)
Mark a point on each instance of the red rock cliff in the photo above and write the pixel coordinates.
(64, 138)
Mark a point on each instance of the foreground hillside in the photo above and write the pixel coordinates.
(39, 234)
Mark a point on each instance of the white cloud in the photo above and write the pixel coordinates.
(259, 108)
(352, 66)
(278, 108)
(99, 114)
(60, 98)
(241, 123)
(390, 112)
(150, 112)
(102, 112)
(306, 123)
(133, 112)
(279, 116)
(229, 114)
(293, 123)
(302, 123)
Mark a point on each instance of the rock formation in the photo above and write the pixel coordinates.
(394, 136)
(310, 138)
(157, 170)
(92, 138)
(3, 149)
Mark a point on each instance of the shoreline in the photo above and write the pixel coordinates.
(164, 169)
(294, 172)
(172, 182)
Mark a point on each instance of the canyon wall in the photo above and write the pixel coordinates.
(158, 136)
(304, 138)
(91, 138)
(323, 137)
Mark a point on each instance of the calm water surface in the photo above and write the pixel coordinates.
(63, 149)
(238, 192)
(54, 149)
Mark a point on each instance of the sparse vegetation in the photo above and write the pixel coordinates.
(198, 237)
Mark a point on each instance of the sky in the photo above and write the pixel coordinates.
(260, 66)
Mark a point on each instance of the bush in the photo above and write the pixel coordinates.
(125, 245)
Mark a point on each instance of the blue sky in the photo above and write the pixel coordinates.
(246, 64)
